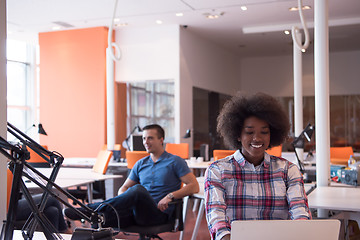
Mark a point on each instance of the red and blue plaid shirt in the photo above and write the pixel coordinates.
(236, 190)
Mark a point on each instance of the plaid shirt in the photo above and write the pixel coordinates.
(236, 190)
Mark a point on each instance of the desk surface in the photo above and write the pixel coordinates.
(335, 198)
(77, 173)
(89, 163)
(63, 183)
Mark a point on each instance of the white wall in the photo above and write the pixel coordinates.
(3, 191)
(171, 52)
(148, 53)
(203, 65)
(274, 75)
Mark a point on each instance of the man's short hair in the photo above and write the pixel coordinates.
(158, 128)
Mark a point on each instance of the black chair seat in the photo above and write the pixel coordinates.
(173, 225)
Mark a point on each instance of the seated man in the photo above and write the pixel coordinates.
(153, 182)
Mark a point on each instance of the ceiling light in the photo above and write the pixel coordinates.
(213, 15)
(306, 7)
(116, 19)
(121, 24)
(56, 28)
(244, 8)
(179, 14)
(287, 32)
(303, 50)
(159, 22)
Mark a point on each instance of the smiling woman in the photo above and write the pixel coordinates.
(251, 184)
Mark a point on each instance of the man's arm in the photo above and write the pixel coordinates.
(127, 184)
(190, 187)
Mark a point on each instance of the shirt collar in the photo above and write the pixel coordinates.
(242, 161)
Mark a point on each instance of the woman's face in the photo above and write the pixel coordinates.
(255, 139)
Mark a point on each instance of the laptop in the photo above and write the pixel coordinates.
(286, 229)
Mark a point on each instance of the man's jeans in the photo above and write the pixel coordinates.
(135, 206)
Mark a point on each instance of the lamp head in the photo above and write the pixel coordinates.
(139, 128)
(41, 130)
(187, 134)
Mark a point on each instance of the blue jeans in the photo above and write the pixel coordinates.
(134, 207)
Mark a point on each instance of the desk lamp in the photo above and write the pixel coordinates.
(299, 142)
(126, 141)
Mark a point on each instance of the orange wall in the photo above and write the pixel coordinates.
(72, 90)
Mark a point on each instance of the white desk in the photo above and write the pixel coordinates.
(344, 199)
(77, 173)
(89, 163)
(75, 176)
(38, 236)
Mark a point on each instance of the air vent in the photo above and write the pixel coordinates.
(64, 24)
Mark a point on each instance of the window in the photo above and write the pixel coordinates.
(21, 109)
(152, 102)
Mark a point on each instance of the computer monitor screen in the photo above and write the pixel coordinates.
(136, 143)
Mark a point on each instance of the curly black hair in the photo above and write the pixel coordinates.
(238, 108)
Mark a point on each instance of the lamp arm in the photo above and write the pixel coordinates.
(47, 155)
(18, 154)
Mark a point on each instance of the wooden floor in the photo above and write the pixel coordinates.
(203, 233)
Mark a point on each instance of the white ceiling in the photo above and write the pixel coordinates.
(26, 18)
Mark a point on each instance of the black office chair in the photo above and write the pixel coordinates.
(82, 194)
(151, 232)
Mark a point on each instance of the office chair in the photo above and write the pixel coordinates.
(100, 166)
(219, 154)
(37, 161)
(150, 232)
(340, 155)
(133, 156)
(179, 149)
(275, 151)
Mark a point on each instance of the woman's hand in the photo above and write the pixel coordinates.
(226, 237)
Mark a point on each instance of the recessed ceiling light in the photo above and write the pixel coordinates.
(244, 8)
(121, 24)
(56, 28)
(306, 7)
(213, 15)
(179, 14)
(159, 22)
(287, 32)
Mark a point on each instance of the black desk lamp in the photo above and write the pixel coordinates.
(299, 142)
(138, 128)
(187, 134)
(40, 129)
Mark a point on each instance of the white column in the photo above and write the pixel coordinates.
(110, 100)
(3, 107)
(298, 93)
(322, 116)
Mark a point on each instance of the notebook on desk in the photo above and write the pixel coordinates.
(286, 229)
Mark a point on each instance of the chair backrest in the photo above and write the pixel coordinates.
(102, 161)
(275, 151)
(340, 155)
(179, 149)
(116, 147)
(36, 160)
(133, 156)
(9, 185)
(219, 153)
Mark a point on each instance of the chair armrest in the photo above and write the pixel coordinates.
(178, 214)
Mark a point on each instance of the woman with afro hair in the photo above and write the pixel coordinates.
(251, 184)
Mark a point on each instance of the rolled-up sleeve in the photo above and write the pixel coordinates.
(215, 205)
